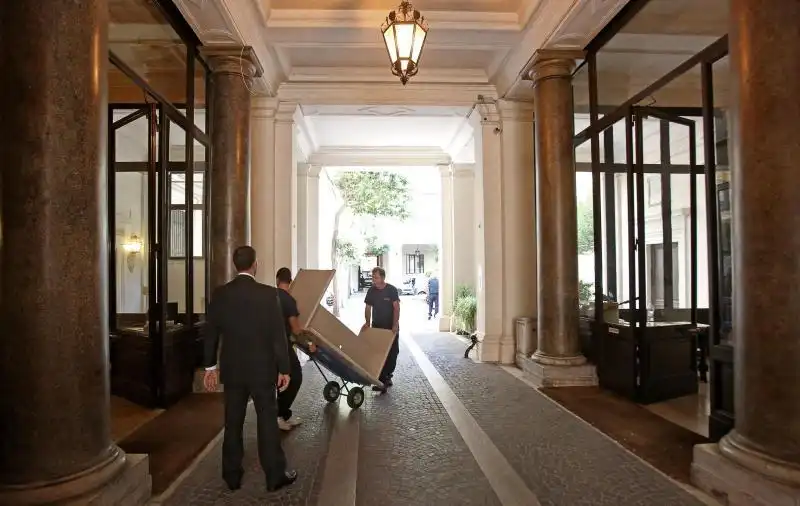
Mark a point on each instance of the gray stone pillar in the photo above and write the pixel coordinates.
(233, 70)
(758, 463)
(54, 410)
(558, 357)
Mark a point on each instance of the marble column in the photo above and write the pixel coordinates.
(54, 410)
(558, 359)
(233, 70)
(312, 215)
(446, 289)
(463, 225)
(519, 218)
(758, 462)
(488, 213)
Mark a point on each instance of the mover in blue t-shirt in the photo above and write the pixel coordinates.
(382, 311)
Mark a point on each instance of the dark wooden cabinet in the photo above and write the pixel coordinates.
(658, 364)
(154, 371)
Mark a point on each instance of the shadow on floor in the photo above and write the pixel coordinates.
(663, 444)
(175, 437)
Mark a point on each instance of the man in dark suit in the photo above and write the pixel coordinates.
(254, 361)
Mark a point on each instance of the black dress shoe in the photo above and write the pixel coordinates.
(288, 478)
(233, 485)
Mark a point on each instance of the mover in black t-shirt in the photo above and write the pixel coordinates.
(286, 421)
(382, 311)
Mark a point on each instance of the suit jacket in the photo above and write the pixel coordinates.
(248, 316)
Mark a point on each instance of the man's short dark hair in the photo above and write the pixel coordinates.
(243, 258)
(284, 275)
(379, 271)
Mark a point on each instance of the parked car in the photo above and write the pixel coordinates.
(415, 284)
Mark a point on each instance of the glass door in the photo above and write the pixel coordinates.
(666, 178)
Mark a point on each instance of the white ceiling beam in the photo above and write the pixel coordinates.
(381, 75)
(414, 94)
(368, 156)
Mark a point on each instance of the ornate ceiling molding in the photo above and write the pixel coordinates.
(583, 23)
(367, 156)
(380, 75)
(235, 22)
(308, 18)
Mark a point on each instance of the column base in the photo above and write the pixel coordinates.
(488, 349)
(496, 349)
(444, 323)
(547, 371)
(120, 479)
(733, 484)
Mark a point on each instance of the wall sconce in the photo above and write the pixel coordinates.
(132, 247)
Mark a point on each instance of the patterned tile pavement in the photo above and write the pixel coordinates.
(563, 461)
(410, 451)
(306, 448)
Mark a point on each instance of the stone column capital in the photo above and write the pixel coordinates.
(515, 111)
(232, 59)
(314, 170)
(553, 64)
(463, 170)
(286, 112)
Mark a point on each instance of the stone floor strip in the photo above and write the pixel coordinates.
(507, 484)
(341, 465)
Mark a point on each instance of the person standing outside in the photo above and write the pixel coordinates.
(254, 361)
(382, 311)
(286, 420)
(433, 296)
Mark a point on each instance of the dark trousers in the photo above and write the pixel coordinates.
(391, 360)
(270, 453)
(287, 397)
(433, 304)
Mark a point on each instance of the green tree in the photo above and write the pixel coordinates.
(585, 228)
(368, 193)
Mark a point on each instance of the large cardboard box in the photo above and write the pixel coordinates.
(364, 353)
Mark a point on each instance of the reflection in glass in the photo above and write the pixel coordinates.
(142, 38)
(131, 216)
(660, 37)
(722, 119)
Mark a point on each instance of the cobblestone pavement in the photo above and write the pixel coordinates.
(410, 451)
(563, 461)
(411, 454)
(306, 448)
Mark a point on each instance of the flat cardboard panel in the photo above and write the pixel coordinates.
(308, 288)
(368, 350)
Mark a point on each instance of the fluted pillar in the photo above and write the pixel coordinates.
(312, 216)
(233, 70)
(446, 290)
(558, 354)
(273, 194)
(488, 213)
(54, 409)
(463, 225)
(302, 215)
(519, 220)
(758, 462)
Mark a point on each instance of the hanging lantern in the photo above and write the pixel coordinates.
(404, 33)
